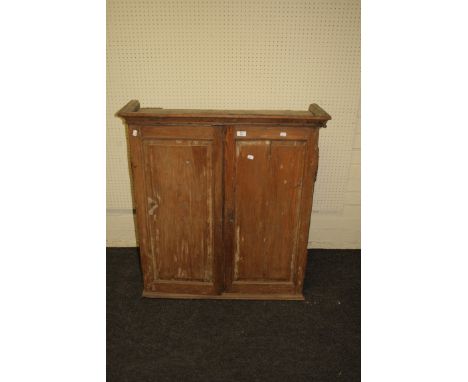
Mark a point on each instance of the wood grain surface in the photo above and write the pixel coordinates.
(223, 199)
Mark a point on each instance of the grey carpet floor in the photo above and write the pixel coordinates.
(220, 340)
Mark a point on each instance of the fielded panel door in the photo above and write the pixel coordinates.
(269, 179)
(178, 173)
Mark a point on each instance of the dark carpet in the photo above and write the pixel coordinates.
(221, 340)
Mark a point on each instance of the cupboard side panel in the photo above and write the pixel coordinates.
(310, 174)
(139, 197)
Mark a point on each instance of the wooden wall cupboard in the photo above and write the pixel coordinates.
(223, 199)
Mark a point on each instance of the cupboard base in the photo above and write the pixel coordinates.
(226, 296)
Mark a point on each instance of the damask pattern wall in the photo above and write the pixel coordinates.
(237, 54)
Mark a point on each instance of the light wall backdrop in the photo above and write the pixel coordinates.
(241, 54)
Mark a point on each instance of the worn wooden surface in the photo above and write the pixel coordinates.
(264, 192)
(180, 205)
(134, 114)
(223, 208)
(227, 296)
(178, 185)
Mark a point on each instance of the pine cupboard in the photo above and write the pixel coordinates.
(223, 199)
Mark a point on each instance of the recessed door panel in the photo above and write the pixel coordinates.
(180, 208)
(265, 197)
(183, 211)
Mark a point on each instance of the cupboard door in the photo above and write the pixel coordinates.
(264, 203)
(182, 207)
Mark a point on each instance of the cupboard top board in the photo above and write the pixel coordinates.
(133, 113)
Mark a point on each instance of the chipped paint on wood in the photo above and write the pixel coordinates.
(268, 191)
(152, 206)
(236, 254)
